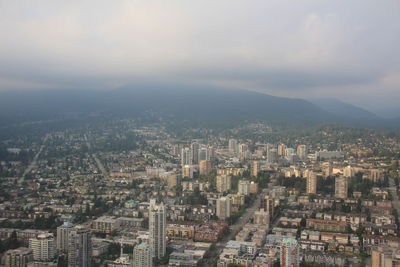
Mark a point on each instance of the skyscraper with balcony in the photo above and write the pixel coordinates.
(290, 253)
(79, 247)
(157, 233)
(43, 247)
(62, 236)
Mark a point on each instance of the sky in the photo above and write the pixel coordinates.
(344, 49)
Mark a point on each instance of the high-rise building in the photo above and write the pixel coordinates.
(157, 225)
(205, 167)
(384, 256)
(142, 255)
(290, 253)
(311, 183)
(233, 146)
(243, 150)
(341, 187)
(348, 171)
(19, 257)
(79, 247)
(223, 183)
(204, 154)
(281, 150)
(43, 247)
(268, 205)
(212, 152)
(186, 156)
(271, 155)
(62, 236)
(302, 152)
(327, 169)
(223, 208)
(195, 152)
(255, 168)
(243, 187)
(187, 171)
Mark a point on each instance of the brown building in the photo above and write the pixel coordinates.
(210, 231)
(181, 230)
(326, 225)
(205, 167)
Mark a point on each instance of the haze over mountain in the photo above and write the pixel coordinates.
(343, 109)
(206, 106)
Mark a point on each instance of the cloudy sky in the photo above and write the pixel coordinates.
(346, 49)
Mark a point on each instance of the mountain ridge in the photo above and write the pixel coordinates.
(195, 104)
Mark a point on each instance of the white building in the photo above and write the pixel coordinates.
(43, 247)
(62, 236)
(223, 208)
(157, 225)
(142, 256)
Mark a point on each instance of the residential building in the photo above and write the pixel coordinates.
(311, 183)
(62, 236)
(302, 152)
(205, 167)
(341, 187)
(157, 226)
(80, 247)
(142, 255)
(290, 253)
(19, 257)
(223, 183)
(223, 208)
(43, 247)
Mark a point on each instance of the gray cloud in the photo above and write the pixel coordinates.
(305, 48)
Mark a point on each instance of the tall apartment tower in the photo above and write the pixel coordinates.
(268, 205)
(62, 236)
(327, 169)
(157, 225)
(281, 150)
(194, 147)
(311, 183)
(19, 257)
(243, 150)
(271, 155)
(187, 171)
(302, 151)
(142, 255)
(223, 208)
(223, 183)
(255, 168)
(290, 253)
(341, 187)
(205, 167)
(233, 146)
(204, 154)
(243, 187)
(43, 247)
(186, 156)
(348, 171)
(79, 247)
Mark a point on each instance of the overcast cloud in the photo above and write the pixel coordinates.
(299, 48)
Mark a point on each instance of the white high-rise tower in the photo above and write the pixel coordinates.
(157, 234)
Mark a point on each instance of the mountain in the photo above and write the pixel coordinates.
(187, 104)
(343, 109)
